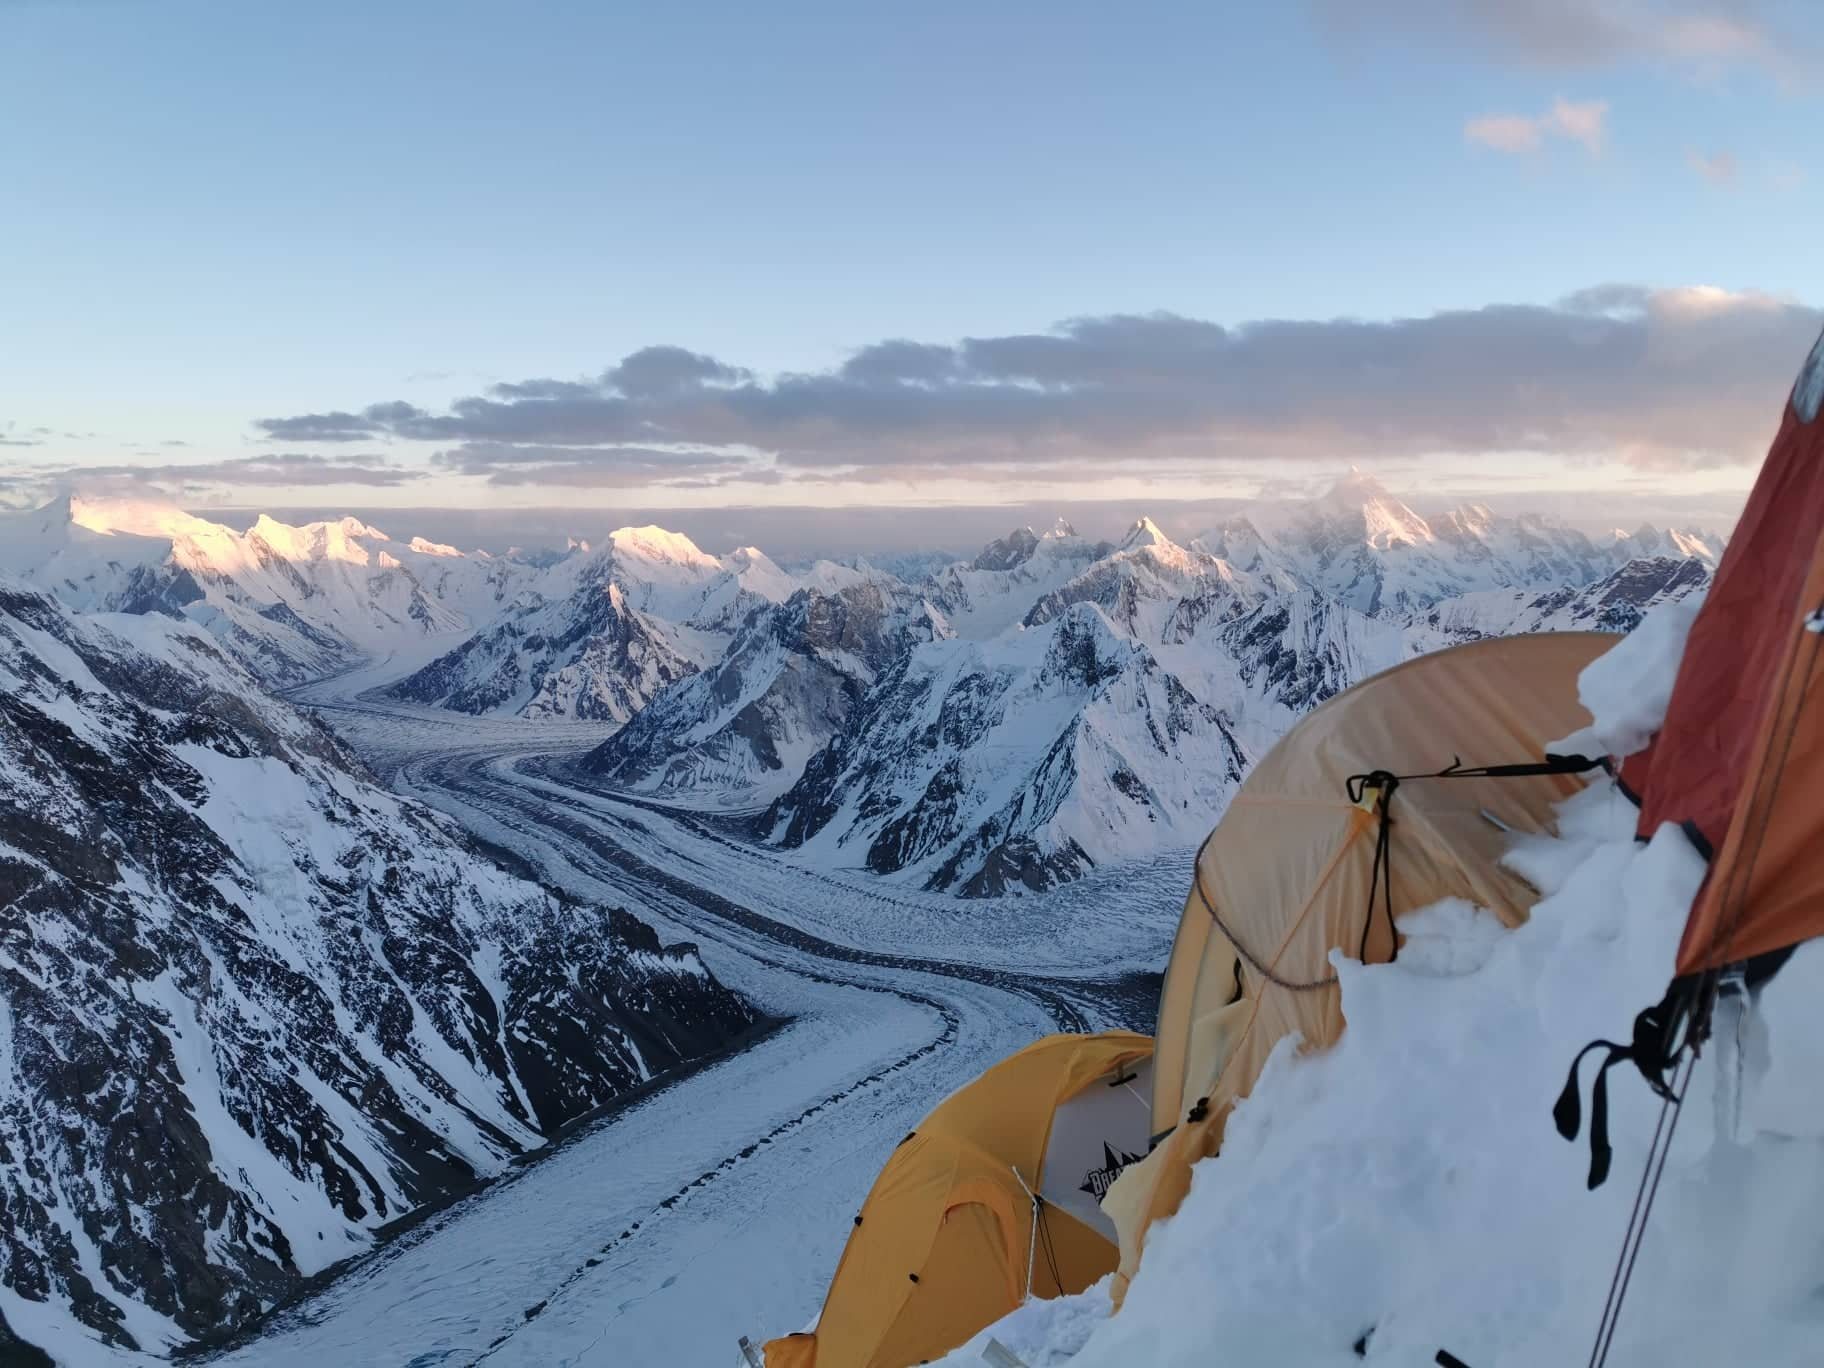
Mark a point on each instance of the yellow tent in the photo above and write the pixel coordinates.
(1286, 876)
(946, 1244)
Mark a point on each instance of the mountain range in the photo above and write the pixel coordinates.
(836, 702)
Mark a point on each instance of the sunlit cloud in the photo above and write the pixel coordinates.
(1719, 168)
(1585, 123)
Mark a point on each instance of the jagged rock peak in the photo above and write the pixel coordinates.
(1007, 552)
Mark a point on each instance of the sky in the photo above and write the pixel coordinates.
(593, 257)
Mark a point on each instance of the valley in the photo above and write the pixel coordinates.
(740, 1177)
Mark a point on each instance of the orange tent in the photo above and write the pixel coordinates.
(946, 1243)
(1736, 761)
(1300, 866)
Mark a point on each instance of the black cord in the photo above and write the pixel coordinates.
(1381, 880)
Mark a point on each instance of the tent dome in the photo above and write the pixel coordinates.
(1286, 876)
(945, 1244)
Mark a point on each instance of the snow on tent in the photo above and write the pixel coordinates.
(946, 1242)
(1317, 854)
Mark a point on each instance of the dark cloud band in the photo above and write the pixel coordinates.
(1659, 378)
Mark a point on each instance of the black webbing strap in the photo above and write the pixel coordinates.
(1659, 1039)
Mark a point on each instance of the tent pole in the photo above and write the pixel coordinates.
(1032, 1238)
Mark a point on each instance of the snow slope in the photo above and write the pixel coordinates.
(1406, 1191)
(252, 1007)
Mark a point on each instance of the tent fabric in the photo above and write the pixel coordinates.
(1700, 762)
(1740, 757)
(943, 1242)
(1762, 891)
(1285, 877)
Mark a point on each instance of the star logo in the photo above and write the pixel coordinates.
(1097, 1181)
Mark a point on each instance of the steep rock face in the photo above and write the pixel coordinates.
(589, 656)
(1298, 650)
(252, 1007)
(1018, 763)
(790, 679)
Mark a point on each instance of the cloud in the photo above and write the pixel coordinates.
(338, 426)
(285, 470)
(1705, 39)
(11, 435)
(1719, 168)
(1583, 122)
(1661, 378)
(599, 467)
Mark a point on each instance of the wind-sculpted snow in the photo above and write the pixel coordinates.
(791, 677)
(985, 767)
(255, 1008)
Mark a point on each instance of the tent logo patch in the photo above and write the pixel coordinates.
(1808, 394)
(1098, 1181)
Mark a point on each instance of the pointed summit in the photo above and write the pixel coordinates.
(1063, 527)
(1145, 532)
(656, 543)
(1353, 490)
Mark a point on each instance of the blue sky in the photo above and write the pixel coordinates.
(227, 213)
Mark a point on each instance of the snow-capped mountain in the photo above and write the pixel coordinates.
(1139, 584)
(292, 603)
(1360, 545)
(1016, 763)
(602, 633)
(1271, 660)
(985, 596)
(252, 1007)
(788, 682)
(1614, 603)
